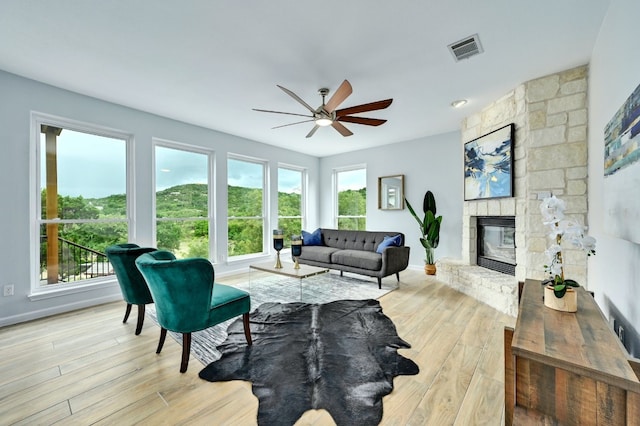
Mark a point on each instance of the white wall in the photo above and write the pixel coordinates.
(431, 163)
(614, 273)
(19, 97)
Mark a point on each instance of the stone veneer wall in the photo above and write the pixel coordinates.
(550, 156)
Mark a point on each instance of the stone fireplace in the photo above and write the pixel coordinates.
(550, 157)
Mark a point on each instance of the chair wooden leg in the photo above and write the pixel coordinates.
(140, 319)
(247, 329)
(163, 335)
(126, 313)
(186, 350)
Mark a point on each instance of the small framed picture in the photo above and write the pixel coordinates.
(488, 165)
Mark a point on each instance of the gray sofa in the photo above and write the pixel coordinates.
(355, 251)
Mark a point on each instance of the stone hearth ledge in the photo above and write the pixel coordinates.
(500, 291)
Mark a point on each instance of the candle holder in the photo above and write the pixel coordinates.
(296, 250)
(278, 244)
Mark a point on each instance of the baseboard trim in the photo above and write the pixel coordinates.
(60, 309)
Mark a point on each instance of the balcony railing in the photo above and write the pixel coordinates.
(75, 262)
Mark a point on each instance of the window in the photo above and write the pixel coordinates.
(82, 200)
(182, 201)
(290, 202)
(351, 198)
(245, 206)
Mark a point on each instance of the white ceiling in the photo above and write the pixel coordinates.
(210, 62)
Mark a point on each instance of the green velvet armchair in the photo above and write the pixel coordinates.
(188, 300)
(133, 286)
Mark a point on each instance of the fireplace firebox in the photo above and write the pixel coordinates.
(496, 243)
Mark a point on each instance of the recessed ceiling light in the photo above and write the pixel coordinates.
(459, 103)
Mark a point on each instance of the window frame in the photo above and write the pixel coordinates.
(336, 209)
(210, 217)
(266, 236)
(37, 120)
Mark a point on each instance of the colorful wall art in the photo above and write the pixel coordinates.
(488, 165)
(622, 170)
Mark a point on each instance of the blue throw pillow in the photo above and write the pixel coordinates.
(389, 241)
(312, 239)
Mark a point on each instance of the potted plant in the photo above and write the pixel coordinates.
(559, 293)
(429, 229)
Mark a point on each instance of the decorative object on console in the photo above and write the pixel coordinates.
(296, 249)
(430, 230)
(552, 210)
(488, 165)
(328, 115)
(278, 244)
(391, 192)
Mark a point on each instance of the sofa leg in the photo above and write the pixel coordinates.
(380, 283)
(341, 272)
(398, 276)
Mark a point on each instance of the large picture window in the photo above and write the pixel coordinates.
(351, 198)
(182, 201)
(290, 202)
(81, 198)
(245, 206)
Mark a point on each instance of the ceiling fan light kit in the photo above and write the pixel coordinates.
(327, 115)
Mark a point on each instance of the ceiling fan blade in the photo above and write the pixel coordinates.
(291, 124)
(364, 107)
(297, 98)
(312, 131)
(339, 96)
(341, 129)
(362, 120)
(280, 112)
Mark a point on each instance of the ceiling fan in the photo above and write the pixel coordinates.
(327, 114)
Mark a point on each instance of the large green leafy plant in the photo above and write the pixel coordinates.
(429, 226)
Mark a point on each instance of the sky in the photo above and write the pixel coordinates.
(94, 167)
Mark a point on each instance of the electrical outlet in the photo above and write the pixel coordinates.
(8, 290)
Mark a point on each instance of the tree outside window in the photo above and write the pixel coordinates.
(290, 202)
(351, 199)
(182, 201)
(245, 206)
(82, 195)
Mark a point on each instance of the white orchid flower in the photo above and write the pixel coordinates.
(552, 210)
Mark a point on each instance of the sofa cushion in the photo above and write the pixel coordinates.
(358, 259)
(317, 253)
(312, 239)
(389, 241)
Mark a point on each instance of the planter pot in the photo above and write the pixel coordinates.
(430, 269)
(567, 303)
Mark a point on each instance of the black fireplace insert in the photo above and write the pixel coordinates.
(497, 243)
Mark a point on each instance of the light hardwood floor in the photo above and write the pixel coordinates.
(86, 367)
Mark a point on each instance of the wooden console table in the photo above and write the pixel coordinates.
(567, 368)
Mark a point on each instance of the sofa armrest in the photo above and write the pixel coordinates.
(395, 259)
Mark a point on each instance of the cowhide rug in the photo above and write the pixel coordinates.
(339, 356)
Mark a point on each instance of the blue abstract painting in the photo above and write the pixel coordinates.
(488, 165)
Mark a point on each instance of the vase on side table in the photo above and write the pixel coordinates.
(566, 303)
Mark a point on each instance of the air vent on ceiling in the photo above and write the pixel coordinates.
(466, 47)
